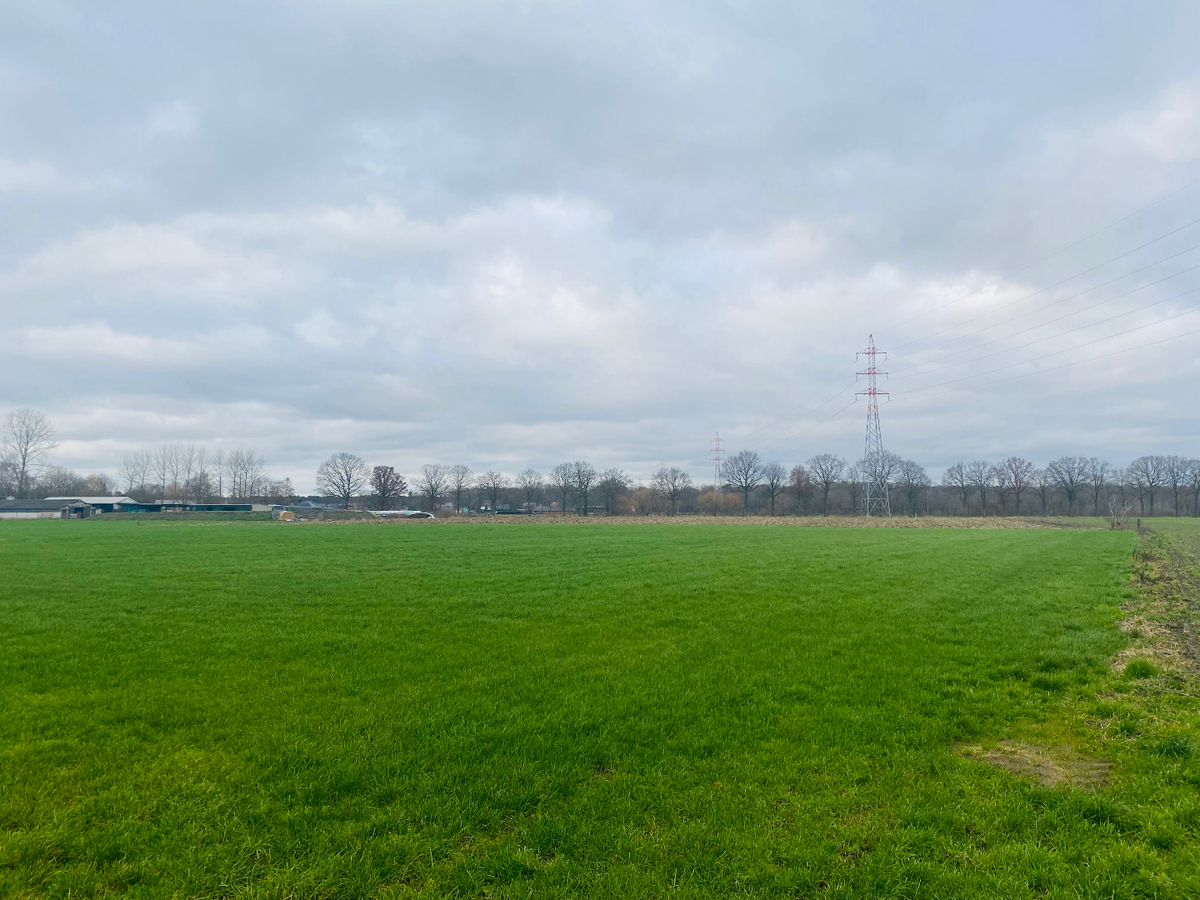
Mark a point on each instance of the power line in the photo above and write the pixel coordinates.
(967, 387)
(1070, 246)
(1043, 308)
(774, 429)
(826, 421)
(780, 425)
(1051, 337)
(832, 434)
(783, 421)
(921, 393)
(1055, 353)
(1056, 284)
(777, 433)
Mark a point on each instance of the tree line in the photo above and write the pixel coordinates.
(175, 472)
(824, 484)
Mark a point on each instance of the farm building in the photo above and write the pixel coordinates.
(100, 504)
(129, 505)
(45, 509)
(173, 506)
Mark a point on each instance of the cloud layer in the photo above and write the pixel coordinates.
(509, 234)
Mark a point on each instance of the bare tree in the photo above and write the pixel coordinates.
(460, 482)
(669, 483)
(1099, 471)
(826, 469)
(1019, 472)
(743, 472)
(1194, 485)
(956, 477)
(1175, 473)
(1120, 482)
(433, 483)
(162, 469)
(774, 480)
(128, 472)
(1148, 475)
(880, 469)
(981, 477)
(492, 483)
(1043, 481)
(914, 480)
(56, 481)
(644, 501)
(28, 437)
(203, 486)
(248, 475)
(174, 456)
(8, 478)
(1070, 475)
(854, 480)
(1002, 479)
(136, 466)
(187, 465)
(220, 468)
(343, 475)
(199, 484)
(712, 502)
(530, 483)
(802, 486)
(98, 485)
(562, 479)
(387, 486)
(583, 478)
(613, 485)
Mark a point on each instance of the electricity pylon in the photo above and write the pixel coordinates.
(875, 488)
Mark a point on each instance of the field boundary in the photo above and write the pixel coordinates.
(1160, 617)
(934, 522)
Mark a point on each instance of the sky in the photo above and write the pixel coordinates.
(512, 234)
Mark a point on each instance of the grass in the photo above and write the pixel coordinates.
(189, 516)
(269, 710)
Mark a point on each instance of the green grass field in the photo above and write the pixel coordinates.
(410, 709)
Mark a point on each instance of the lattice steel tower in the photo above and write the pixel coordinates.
(717, 456)
(875, 488)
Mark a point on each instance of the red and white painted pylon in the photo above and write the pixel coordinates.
(875, 490)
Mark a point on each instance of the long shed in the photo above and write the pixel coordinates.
(45, 509)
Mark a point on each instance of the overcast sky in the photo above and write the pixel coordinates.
(513, 234)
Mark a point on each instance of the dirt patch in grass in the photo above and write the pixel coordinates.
(1049, 767)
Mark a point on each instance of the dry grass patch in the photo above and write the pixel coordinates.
(751, 521)
(1158, 617)
(1049, 767)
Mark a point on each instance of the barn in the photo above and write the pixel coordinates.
(100, 504)
(45, 509)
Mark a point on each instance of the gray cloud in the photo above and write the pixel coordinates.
(514, 233)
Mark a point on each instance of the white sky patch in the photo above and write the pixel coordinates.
(172, 120)
(100, 342)
(322, 330)
(35, 176)
(169, 262)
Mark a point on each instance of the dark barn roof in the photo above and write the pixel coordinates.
(36, 505)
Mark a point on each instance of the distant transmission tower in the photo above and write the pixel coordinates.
(875, 489)
(717, 462)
